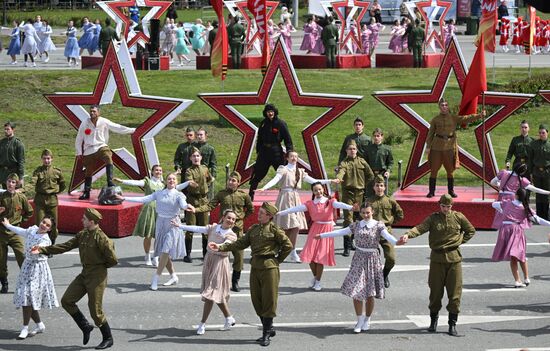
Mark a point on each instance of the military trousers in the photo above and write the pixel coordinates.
(44, 208)
(236, 54)
(542, 181)
(445, 158)
(199, 218)
(351, 196)
(417, 56)
(92, 285)
(445, 276)
(267, 157)
(16, 243)
(389, 254)
(330, 52)
(264, 291)
(104, 155)
(238, 255)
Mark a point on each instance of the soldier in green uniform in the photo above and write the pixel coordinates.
(329, 36)
(231, 198)
(16, 208)
(354, 174)
(379, 157)
(539, 167)
(12, 155)
(235, 36)
(97, 253)
(197, 195)
(106, 36)
(448, 230)
(49, 183)
(208, 158)
(270, 246)
(361, 140)
(387, 210)
(519, 147)
(182, 159)
(417, 37)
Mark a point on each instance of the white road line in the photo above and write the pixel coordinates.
(350, 324)
(523, 349)
(494, 290)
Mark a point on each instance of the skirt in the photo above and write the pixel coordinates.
(319, 251)
(15, 47)
(365, 277)
(510, 243)
(29, 46)
(287, 199)
(169, 239)
(146, 223)
(47, 45)
(35, 286)
(215, 278)
(71, 48)
(181, 47)
(86, 41)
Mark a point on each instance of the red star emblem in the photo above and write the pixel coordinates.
(350, 11)
(397, 102)
(165, 110)
(545, 94)
(223, 104)
(435, 5)
(251, 38)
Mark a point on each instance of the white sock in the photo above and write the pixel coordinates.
(25, 327)
(148, 255)
(40, 325)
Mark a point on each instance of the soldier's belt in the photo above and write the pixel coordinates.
(451, 249)
(378, 171)
(445, 137)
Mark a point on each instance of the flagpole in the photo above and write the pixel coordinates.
(530, 63)
(494, 69)
(483, 147)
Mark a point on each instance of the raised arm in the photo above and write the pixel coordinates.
(118, 128)
(299, 208)
(183, 185)
(310, 180)
(389, 237)
(497, 205)
(142, 199)
(133, 182)
(194, 228)
(342, 206)
(335, 233)
(17, 230)
(273, 181)
(537, 190)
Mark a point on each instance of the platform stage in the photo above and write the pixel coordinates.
(417, 206)
(298, 61)
(94, 62)
(391, 60)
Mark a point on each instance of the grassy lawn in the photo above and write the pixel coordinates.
(40, 126)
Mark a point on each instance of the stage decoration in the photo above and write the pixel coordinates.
(117, 74)
(218, 53)
(224, 104)
(434, 11)
(398, 102)
(123, 26)
(347, 34)
(488, 24)
(545, 95)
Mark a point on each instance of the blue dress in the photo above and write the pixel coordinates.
(181, 45)
(86, 41)
(15, 43)
(95, 40)
(71, 45)
(198, 40)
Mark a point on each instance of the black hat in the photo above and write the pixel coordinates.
(270, 107)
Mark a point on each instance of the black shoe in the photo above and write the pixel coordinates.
(431, 192)
(453, 318)
(83, 324)
(4, 282)
(187, 259)
(433, 323)
(450, 187)
(85, 195)
(235, 281)
(107, 337)
(452, 330)
(347, 240)
(386, 281)
(265, 339)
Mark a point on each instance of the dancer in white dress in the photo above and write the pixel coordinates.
(35, 288)
(46, 43)
(30, 44)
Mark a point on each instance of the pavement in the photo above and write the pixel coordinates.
(494, 315)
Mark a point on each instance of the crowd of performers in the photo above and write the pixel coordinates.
(514, 33)
(363, 170)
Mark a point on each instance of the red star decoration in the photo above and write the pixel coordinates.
(250, 39)
(545, 94)
(116, 7)
(280, 61)
(397, 102)
(356, 37)
(162, 108)
(434, 35)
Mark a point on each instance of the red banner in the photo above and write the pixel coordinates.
(528, 33)
(474, 84)
(464, 8)
(258, 8)
(218, 57)
(488, 24)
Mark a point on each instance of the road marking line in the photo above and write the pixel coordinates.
(306, 324)
(494, 290)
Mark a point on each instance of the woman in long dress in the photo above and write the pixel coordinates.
(14, 48)
(198, 41)
(318, 253)
(215, 270)
(86, 41)
(169, 243)
(35, 289)
(365, 280)
(30, 44)
(310, 36)
(95, 39)
(71, 44)
(181, 45)
(46, 44)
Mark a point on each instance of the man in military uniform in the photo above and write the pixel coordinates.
(448, 230)
(387, 210)
(329, 36)
(519, 147)
(269, 151)
(16, 208)
(12, 155)
(49, 183)
(539, 167)
(182, 157)
(417, 37)
(270, 246)
(106, 36)
(97, 253)
(208, 158)
(354, 174)
(212, 34)
(442, 145)
(235, 36)
(361, 140)
(379, 157)
(231, 198)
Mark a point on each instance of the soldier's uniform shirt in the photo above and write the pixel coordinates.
(208, 154)
(379, 157)
(106, 35)
(355, 174)
(182, 158)
(386, 210)
(12, 158)
(329, 35)
(197, 197)
(97, 253)
(361, 140)
(519, 149)
(236, 34)
(447, 233)
(49, 183)
(269, 247)
(539, 167)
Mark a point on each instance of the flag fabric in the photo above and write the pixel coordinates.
(488, 24)
(528, 33)
(218, 57)
(258, 8)
(475, 83)
(541, 5)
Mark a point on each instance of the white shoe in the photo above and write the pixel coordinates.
(317, 286)
(519, 285)
(359, 325)
(47, 59)
(34, 64)
(39, 329)
(172, 61)
(13, 63)
(294, 257)
(148, 261)
(312, 284)
(172, 281)
(201, 329)
(229, 322)
(526, 282)
(154, 282)
(25, 64)
(155, 261)
(366, 324)
(24, 333)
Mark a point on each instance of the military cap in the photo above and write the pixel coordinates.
(270, 208)
(92, 214)
(46, 152)
(350, 143)
(235, 175)
(543, 126)
(379, 179)
(446, 200)
(13, 176)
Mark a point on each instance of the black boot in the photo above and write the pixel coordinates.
(351, 243)
(235, 281)
(386, 278)
(204, 245)
(109, 170)
(346, 246)
(87, 187)
(107, 337)
(453, 318)
(451, 187)
(83, 324)
(266, 335)
(4, 282)
(431, 192)
(188, 246)
(433, 323)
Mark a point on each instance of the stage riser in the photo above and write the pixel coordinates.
(94, 62)
(390, 60)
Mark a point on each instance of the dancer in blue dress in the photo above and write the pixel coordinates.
(86, 41)
(71, 45)
(46, 44)
(181, 45)
(95, 40)
(197, 41)
(14, 48)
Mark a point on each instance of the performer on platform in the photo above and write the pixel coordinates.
(285, 30)
(29, 49)
(271, 132)
(12, 156)
(270, 246)
(539, 168)
(448, 230)
(215, 270)
(329, 36)
(72, 50)
(516, 35)
(236, 36)
(170, 40)
(272, 33)
(365, 39)
(395, 37)
(364, 281)
(14, 48)
(198, 40)
(95, 39)
(91, 145)
(375, 28)
(319, 48)
(406, 28)
(181, 45)
(442, 145)
(417, 36)
(311, 32)
(182, 157)
(504, 34)
(379, 157)
(208, 154)
(449, 31)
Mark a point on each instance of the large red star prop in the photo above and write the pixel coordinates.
(162, 107)
(397, 102)
(251, 38)
(350, 11)
(446, 5)
(280, 61)
(545, 94)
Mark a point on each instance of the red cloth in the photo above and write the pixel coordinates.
(488, 25)
(218, 57)
(258, 8)
(475, 83)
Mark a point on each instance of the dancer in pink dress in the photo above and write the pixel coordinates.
(272, 34)
(510, 245)
(319, 48)
(286, 30)
(365, 39)
(318, 253)
(395, 37)
(310, 38)
(449, 30)
(375, 29)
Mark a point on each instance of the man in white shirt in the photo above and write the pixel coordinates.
(91, 146)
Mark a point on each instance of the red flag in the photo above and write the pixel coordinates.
(475, 83)
(529, 32)
(258, 8)
(488, 24)
(218, 56)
